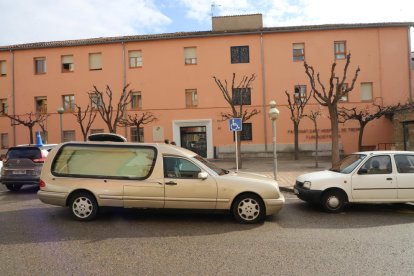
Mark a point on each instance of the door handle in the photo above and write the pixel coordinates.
(389, 178)
(171, 183)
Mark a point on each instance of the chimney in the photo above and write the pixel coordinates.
(237, 22)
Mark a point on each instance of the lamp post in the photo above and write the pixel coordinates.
(273, 115)
(60, 110)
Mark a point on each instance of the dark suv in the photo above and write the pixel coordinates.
(22, 166)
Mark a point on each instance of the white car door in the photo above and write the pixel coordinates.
(375, 180)
(405, 176)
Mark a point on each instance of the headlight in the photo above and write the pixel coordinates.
(307, 184)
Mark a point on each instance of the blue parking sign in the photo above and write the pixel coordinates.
(235, 124)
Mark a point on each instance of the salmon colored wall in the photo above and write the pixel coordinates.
(381, 53)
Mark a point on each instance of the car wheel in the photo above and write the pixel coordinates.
(248, 208)
(14, 187)
(83, 206)
(333, 201)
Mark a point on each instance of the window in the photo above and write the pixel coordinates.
(95, 101)
(98, 130)
(344, 98)
(366, 91)
(137, 136)
(190, 55)
(340, 49)
(241, 96)
(136, 101)
(191, 98)
(298, 51)
(175, 167)
(135, 59)
(69, 135)
(405, 163)
(68, 103)
(95, 61)
(300, 93)
(40, 65)
(380, 164)
(67, 64)
(41, 104)
(239, 54)
(92, 161)
(3, 68)
(4, 106)
(246, 133)
(4, 140)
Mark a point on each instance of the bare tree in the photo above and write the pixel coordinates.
(87, 116)
(111, 112)
(138, 120)
(313, 116)
(237, 96)
(296, 105)
(330, 96)
(28, 120)
(364, 116)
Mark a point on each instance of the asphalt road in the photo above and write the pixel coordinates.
(37, 239)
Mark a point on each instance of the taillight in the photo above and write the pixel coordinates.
(39, 160)
(42, 184)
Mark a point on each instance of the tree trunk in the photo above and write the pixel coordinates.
(31, 134)
(315, 124)
(333, 113)
(361, 134)
(296, 133)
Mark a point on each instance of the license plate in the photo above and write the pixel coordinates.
(295, 191)
(19, 172)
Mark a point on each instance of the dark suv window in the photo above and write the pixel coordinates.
(29, 153)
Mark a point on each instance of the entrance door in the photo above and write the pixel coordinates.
(194, 138)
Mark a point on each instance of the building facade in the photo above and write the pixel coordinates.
(171, 76)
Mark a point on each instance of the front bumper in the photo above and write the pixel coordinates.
(273, 205)
(313, 196)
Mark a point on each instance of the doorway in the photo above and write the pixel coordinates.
(194, 138)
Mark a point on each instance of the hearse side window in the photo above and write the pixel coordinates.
(175, 167)
(104, 161)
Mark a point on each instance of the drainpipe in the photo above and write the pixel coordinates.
(124, 81)
(410, 81)
(13, 96)
(263, 91)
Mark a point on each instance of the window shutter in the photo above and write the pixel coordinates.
(3, 69)
(67, 59)
(366, 91)
(95, 61)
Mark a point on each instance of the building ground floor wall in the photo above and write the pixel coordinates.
(204, 132)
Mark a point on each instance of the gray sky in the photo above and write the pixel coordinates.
(26, 21)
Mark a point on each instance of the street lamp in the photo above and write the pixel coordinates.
(60, 110)
(273, 115)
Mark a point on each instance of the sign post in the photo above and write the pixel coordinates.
(235, 125)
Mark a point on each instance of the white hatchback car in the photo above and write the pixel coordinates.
(363, 177)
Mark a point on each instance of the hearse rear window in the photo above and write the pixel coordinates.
(104, 161)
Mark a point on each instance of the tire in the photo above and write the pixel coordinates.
(14, 187)
(248, 209)
(333, 201)
(83, 206)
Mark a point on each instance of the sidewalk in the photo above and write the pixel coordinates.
(287, 169)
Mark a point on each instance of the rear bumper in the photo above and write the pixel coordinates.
(273, 205)
(52, 198)
(20, 180)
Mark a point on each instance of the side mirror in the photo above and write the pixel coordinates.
(362, 171)
(202, 175)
